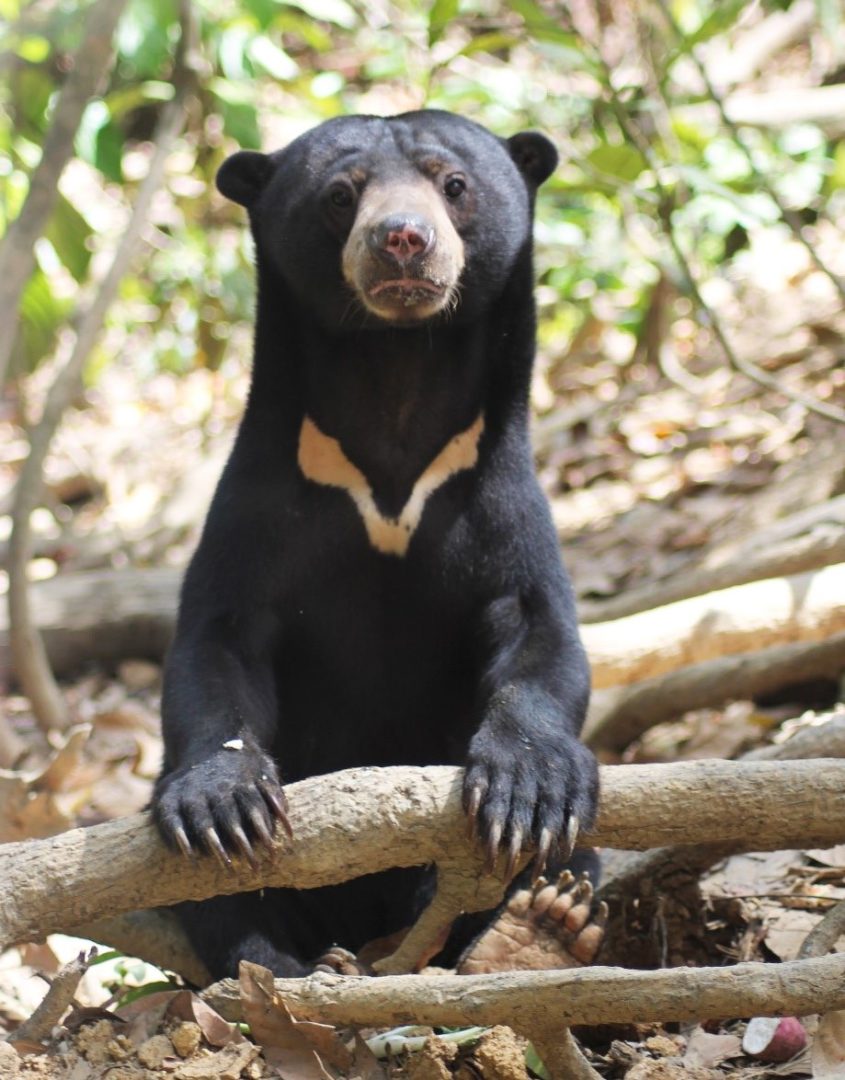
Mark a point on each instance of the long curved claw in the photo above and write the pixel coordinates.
(544, 846)
(278, 804)
(214, 845)
(473, 805)
(568, 845)
(259, 825)
(182, 842)
(514, 848)
(494, 838)
(244, 846)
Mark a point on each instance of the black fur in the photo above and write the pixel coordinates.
(295, 635)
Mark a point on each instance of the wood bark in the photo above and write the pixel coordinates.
(621, 714)
(553, 999)
(103, 615)
(623, 871)
(746, 618)
(157, 936)
(366, 820)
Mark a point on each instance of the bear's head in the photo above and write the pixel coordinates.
(399, 220)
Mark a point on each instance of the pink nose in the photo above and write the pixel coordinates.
(404, 243)
(401, 238)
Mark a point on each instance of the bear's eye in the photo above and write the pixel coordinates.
(454, 187)
(341, 196)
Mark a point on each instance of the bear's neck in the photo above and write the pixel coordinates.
(391, 397)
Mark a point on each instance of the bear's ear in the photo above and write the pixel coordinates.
(242, 177)
(534, 154)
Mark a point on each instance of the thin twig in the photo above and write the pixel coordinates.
(789, 216)
(824, 934)
(59, 998)
(30, 658)
(17, 256)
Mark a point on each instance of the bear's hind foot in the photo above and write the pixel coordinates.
(541, 927)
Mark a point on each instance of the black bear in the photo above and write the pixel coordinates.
(378, 581)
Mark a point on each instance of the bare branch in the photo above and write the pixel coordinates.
(597, 995)
(59, 998)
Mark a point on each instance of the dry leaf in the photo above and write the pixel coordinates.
(828, 1053)
(365, 1064)
(711, 1050)
(216, 1031)
(287, 1044)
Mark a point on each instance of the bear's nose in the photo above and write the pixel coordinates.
(401, 238)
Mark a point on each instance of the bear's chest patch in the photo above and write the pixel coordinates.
(322, 460)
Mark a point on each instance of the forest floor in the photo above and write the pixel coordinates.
(657, 464)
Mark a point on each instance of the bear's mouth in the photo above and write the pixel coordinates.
(406, 292)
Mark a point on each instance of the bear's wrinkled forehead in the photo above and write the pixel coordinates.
(426, 141)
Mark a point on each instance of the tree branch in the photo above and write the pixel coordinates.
(746, 618)
(30, 656)
(620, 714)
(597, 995)
(366, 820)
(17, 256)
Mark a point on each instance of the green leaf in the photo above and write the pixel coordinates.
(68, 232)
(622, 161)
(721, 18)
(41, 315)
(532, 1060)
(837, 176)
(108, 152)
(144, 36)
(494, 41)
(240, 117)
(129, 98)
(34, 49)
(441, 13)
(144, 991)
(542, 26)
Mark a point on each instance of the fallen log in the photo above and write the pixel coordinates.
(365, 820)
(618, 715)
(100, 615)
(746, 618)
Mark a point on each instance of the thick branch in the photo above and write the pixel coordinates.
(526, 1000)
(746, 618)
(107, 615)
(621, 714)
(366, 820)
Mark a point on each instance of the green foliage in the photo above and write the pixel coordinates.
(268, 69)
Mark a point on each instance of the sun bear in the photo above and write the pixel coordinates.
(378, 581)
